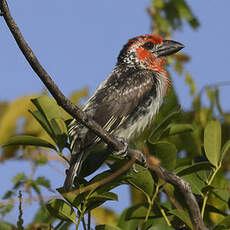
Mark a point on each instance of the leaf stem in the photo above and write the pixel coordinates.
(209, 182)
(151, 202)
(82, 211)
(164, 215)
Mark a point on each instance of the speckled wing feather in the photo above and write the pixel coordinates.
(114, 102)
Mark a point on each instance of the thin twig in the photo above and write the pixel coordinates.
(217, 84)
(82, 117)
(82, 190)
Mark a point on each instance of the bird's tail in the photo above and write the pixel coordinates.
(74, 169)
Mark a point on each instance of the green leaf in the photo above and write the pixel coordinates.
(43, 122)
(142, 180)
(51, 118)
(175, 129)
(161, 227)
(48, 107)
(43, 216)
(190, 82)
(19, 177)
(8, 194)
(195, 182)
(43, 181)
(103, 197)
(218, 104)
(212, 141)
(183, 216)
(224, 224)
(28, 140)
(76, 96)
(60, 131)
(62, 210)
(74, 198)
(123, 223)
(96, 199)
(194, 168)
(166, 152)
(109, 185)
(210, 208)
(4, 209)
(224, 150)
(6, 226)
(137, 211)
(160, 128)
(106, 227)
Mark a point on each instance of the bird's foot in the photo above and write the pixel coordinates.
(140, 157)
(122, 152)
(132, 153)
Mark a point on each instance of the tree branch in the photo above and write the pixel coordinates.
(82, 117)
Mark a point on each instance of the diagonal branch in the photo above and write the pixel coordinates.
(82, 117)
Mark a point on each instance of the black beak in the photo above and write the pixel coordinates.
(168, 47)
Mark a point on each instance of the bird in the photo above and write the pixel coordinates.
(126, 102)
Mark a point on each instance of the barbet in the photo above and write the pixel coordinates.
(127, 101)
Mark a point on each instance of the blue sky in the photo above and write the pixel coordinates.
(78, 43)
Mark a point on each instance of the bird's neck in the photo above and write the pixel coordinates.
(156, 66)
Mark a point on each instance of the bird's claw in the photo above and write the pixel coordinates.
(138, 154)
(134, 168)
(142, 158)
(123, 152)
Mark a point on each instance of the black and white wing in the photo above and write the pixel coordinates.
(116, 101)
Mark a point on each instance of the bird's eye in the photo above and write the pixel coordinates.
(148, 45)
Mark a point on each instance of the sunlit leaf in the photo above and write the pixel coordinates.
(103, 215)
(212, 141)
(180, 128)
(43, 122)
(15, 110)
(51, 118)
(10, 123)
(76, 96)
(48, 107)
(224, 224)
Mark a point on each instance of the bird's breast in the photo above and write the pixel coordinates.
(138, 121)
